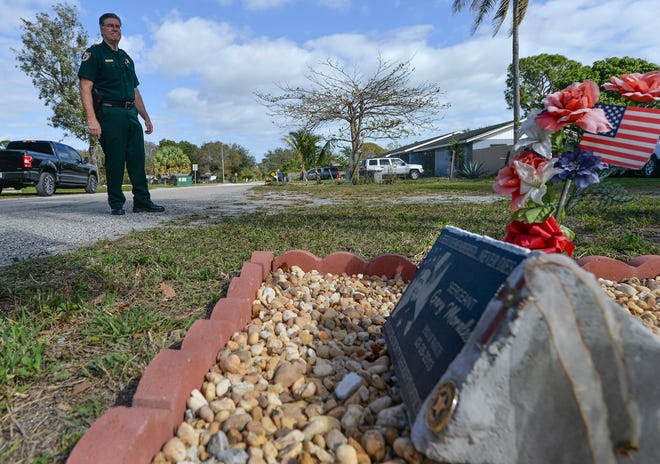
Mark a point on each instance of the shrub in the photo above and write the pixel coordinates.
(472, 170)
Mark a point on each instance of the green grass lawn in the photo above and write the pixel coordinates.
(77, 330)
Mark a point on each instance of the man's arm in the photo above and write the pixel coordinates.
(142, 111)
(93, 125)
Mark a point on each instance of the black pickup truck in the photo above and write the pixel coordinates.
(47, 166)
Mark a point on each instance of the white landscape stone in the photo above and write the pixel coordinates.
(348, 386)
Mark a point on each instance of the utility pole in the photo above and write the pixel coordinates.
(222, 156)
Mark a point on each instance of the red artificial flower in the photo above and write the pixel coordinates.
(637, 87)
(508, 181)
(542, 236)
(574, 105)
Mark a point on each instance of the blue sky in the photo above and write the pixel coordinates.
(199, 62)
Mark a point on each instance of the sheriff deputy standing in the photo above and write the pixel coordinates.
(112, 102)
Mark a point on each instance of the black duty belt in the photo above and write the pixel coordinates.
(119, 104)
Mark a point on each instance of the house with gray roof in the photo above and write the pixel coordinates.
(488, 146)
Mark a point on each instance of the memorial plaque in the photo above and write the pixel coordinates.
(440, 308)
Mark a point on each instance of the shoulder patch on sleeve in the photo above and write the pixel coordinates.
(86, 55)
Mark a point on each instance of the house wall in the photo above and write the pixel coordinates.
(492, 158)
(437, 162)
(490, 152)
(425, 158)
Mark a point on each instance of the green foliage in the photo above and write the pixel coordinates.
(482, 8)
(21, 346)
(458, 150)
(246, 173)
(541, 75)
(170, 160)
(304, 145)
(211, 157)
(290, 165)
(214, 157)
(279, 158)
(602, 195)
(370, 149)
(472, 170)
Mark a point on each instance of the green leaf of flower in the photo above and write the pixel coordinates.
(568, 233)
(534, 213)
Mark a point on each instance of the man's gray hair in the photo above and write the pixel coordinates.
(105, 16)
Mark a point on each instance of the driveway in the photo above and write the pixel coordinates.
(42, 226)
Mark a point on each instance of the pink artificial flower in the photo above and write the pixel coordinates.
(509, 180)
(637, 87)
(574, 105)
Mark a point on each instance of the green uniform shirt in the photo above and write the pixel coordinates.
(113, 72)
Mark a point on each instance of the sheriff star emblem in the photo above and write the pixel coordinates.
(441, 406)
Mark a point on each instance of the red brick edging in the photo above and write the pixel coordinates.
(642, 267)
(134, 435)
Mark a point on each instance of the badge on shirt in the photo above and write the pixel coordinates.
(86, 56)
(109, 60)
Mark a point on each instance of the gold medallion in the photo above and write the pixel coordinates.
(441, 407)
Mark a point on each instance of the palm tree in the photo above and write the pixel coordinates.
(303, 144)
(481, 8)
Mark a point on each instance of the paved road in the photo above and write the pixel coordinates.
(35, 226)
(43, 226)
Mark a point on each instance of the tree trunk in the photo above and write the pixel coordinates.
(354, 173)
(356, 150)
(92, 152)
(516, 72)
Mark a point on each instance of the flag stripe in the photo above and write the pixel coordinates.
(642, 120)
(615, 150)
(640, 127)
(640, 109)
(633, 138)
(642, 138)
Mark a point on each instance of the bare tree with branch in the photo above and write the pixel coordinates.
(377, 107)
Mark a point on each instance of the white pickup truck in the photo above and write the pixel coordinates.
(391, 166)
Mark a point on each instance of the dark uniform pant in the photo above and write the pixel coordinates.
(122, 141)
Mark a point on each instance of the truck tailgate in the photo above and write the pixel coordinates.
(11, 160)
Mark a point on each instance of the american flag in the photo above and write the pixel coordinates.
(631, 141)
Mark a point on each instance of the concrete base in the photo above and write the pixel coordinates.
(567, 377)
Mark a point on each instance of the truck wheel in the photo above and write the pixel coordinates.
(414, 174)
(46, 185)
(92, 183)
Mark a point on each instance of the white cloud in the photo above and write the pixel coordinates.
(199, 73)
(230, 66)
